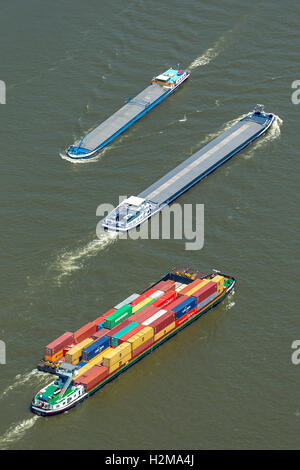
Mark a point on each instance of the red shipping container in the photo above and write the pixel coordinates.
(165, 299)
(142, 348)
(99, 320)
(190, 286)
(149, 292)
(144, 313)
(162, 321)
(186, 316)
(138, 300)
(85, 332)
(93, 377)
(100, 333)
(118, 327)
(60, 343)
(165, 285)
(68, 348)
(130, 333)
(205, 291)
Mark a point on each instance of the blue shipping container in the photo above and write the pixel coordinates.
(184, 307)
(100, 326)
(80, 364)
(95, 348)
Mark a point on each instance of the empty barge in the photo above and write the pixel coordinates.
(135, 210)
(94, 355)
(161, 87)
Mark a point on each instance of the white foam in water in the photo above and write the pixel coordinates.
(210, 54)
(22, 379)
(17, 431)
(73, 260)
(272, 134)
(183, 119)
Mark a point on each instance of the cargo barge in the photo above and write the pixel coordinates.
(161, 86)
(135, 210)
(94, 355)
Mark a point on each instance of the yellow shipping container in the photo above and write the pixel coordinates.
(142, 304)
(142, 336)
(116, 354)
(198, 286)
(220, 283)
(163, 332)
(92, 362)
(74, 354)
(118, 364)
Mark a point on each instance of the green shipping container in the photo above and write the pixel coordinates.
(118, 316)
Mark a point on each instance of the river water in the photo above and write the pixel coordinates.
(228, 380)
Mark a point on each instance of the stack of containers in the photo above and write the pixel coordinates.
(183, 308)
(140, 341)
(127, 301)
(54, 350)
(220, 283)
(95, 348)
(144, 313)
(146, 301)
(165, 285)
(130, 333)
(100, 333)
(166, 299)
(85, 332)
(66, 349)
(73, 355)
(117, 316)
(92, 378)
(160, 321)
(117, 328)
(117, 357)
(204, 291)
(99, 322)
(126, 329)
(97, 360)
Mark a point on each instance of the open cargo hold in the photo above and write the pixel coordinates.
(54, 350)
(123, 331)
(94, 376)
(141, 337)
(93, 362)
(95, 348)
(74, 354)
(116, 354)
(118, 316)
(85, 332)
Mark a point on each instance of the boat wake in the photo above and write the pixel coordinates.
(22, 379)
(272, 134)
(16, 431)
(210, 54)
(73, 260)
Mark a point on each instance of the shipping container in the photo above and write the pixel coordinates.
(55, 357)
(59, 344)
(116, 354)
(187, 304)
(154, 317)
(123, 331)
(100, 333)
(74, 355)
(144, 313)
(186, 316)
(220, 283)
(118, 316)
(137, 351)
(205, 291)
(93, 362)
(139, 299)
(206, 301)
(85, 332)
(191, 287)
(81, 364)
(156, 294)
(109, 312)
(164, 331)
(163, 321)
(121, 362)
(127, 301)
(118, 328)
(165, 285)
(92, 378)
(141, 337)
(99, 322)
(95, 348)
(149, 292)
(143, 303)
(165, 299)
(65, 350)
(131, 333)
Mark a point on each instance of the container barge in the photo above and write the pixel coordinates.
(94, 355)
(161, 86)
(135, 210)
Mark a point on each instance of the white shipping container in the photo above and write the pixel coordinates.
(156, 294)
(154, 317)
